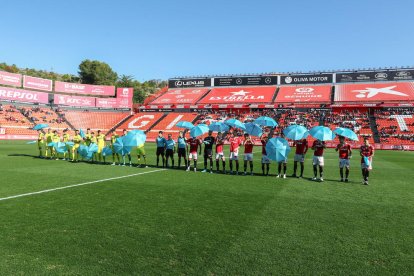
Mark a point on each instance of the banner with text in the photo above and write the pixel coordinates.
(242, 81)
(304, 79)
(181, 96)
(37, 83)
(375, 92)
(397, 75)
(107, 102)
(74, 100)
(186, 83)
(240, 95)
(85, 89)
(11, 79)
(124, 97)
(304, 94)
(20, 95)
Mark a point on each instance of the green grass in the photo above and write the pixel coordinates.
(176, 222)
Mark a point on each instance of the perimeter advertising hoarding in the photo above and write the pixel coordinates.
(37, 83)
(84, 89)
(11, 79)
(20, 95)
(186, 83)
(305, 79)
(242, 81)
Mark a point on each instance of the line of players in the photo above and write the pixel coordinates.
(71, 153)
(167, 147)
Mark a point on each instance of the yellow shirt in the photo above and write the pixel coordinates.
(49, 137)
(101, 140)
(40, 137)
(113, 138)
(56, 138)
(93, 139)
(66, 137)
(77, 139)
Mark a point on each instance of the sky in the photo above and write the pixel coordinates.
(163, 39)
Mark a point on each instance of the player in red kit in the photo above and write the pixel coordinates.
(345, 153)
(265, 159)
(301, 150)
(194, 144)
(220, 152)
(318, 148)
(366, 152)
(248, 153)
(235, 142)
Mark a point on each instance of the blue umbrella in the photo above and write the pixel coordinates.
(106, 151)
(60, 147)
(266, 121)
(296, 132)
(119, 146)
(82, 134)
(70, 144)
(277, 149)
(199, 130)
(254, 129)
(83, 151)
(134, 138)
(322, 133)
(40, 126)
(184, 124)
(31, 142)
(218, 127)
(346, 132)
(235, 123)
(51, 144)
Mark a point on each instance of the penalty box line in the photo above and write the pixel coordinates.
(77, 185)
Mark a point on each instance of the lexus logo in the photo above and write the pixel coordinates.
(268, 80)
(238, 81)
(288, 79)
(178, 83)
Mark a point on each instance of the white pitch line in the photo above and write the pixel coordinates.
(77, 185)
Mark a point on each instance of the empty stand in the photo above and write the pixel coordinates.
(94, 120)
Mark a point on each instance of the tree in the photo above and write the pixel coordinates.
(96, 72)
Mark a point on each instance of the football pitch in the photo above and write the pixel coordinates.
(68, 218)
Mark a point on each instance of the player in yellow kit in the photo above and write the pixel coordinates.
(114, 136)
(88, 137)
(40, 142)
(141, 152)
(93, 140)
(49, 139)
(77, 139)
(100, 138)
(65, 139)
(55, 139)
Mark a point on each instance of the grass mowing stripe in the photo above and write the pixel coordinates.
(77, 185)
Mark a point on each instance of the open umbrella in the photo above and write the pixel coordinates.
(106, 151)
(70, 144)
(235, 123)
(266, 121)
(322, 133)
(346, 132)
(253, 129)
(40, 126)
(119, 146)
(295, 132)
(218, 127)
(60, 147)
(277, 149)
(83, 151)
(82, 133)
(199, 130)
(184, 124)
(134, 138)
